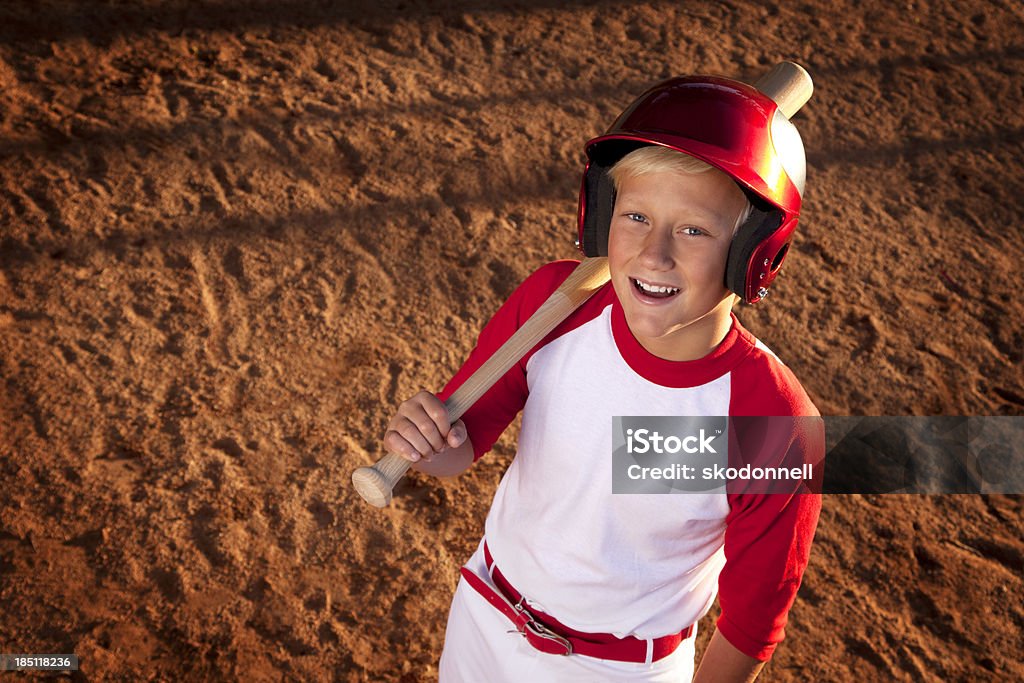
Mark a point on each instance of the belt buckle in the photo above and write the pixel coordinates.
(538, 630)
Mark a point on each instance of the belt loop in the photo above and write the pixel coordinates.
(650, 651)
(488, 561)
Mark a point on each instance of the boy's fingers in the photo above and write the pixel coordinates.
(429, 415)
(435, 409)
(436, 412)
(394, 443)
(421, 429)
(412, 435)
(430, 432)
(431, 408)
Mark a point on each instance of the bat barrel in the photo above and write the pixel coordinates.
(789, 85)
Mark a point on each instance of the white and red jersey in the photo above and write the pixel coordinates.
(641, 565)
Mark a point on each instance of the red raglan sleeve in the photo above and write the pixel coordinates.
(768, 535)
(767, 546)
(495, 410)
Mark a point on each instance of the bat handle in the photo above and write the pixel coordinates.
(375, 483)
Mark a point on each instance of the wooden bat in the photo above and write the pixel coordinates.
(374, 484)
(787, 83)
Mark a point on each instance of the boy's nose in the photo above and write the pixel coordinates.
(656, 252)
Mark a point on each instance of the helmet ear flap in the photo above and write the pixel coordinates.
(739, 271)
(599, 201)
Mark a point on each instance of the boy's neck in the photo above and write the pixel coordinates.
(697, 339)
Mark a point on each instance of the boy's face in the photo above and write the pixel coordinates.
(673, 230)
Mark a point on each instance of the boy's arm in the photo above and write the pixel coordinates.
(422, 431)
(486, 419)
(768, 536)
(723, 663)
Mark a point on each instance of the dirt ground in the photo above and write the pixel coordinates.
(235, 235)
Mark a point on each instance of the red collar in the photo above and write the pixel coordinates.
(738, 343)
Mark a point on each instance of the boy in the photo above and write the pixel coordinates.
(693, 195)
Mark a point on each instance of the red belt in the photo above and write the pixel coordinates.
(548, 635)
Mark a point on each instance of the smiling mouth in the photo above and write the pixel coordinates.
(654, 291)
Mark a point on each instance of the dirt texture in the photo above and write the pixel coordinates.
(235, 235)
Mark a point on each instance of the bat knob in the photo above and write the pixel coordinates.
(374, 484)
(374, 488)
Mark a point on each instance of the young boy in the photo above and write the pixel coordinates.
(693, 195)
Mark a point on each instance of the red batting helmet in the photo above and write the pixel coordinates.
(735, 128)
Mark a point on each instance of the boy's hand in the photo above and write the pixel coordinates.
(421, 429)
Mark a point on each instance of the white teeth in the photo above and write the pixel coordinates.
(654, 289)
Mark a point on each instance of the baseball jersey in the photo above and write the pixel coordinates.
(641, 565)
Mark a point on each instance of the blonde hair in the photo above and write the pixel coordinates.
(657, 159)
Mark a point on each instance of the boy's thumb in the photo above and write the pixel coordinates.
(457, 434)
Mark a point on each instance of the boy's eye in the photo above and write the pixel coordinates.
(692, 231)
(638, 217)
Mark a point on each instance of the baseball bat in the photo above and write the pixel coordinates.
(788, 84)
(375, 483)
